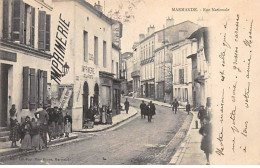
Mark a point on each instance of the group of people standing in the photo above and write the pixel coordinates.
(33, 133)
(147, 110)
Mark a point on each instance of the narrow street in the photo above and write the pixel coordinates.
(136, 142)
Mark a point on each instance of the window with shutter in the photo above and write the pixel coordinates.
(47, 33)
(41, 30)
(5, 18)
(32, 36)
(26, 83)
(32, 103)
(18, 21)
(45, 88)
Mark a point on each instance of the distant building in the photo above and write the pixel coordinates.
(136, 72)
(182, 70)
(165, 39)
(25, 57)
(127, 69)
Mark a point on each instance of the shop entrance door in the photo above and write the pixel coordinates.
(4, 94)
(96, 94)
(85, 99)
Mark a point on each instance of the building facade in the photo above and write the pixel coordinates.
(24, 57)
(127, 69)
(93, 57)
(165, 39)
(182, 70)
(201, 68)
(136, 72)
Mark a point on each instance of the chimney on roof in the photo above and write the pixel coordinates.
(150, 30)
(169, 21)
(141, 37)
(98, 7)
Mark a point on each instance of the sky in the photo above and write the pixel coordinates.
(138, 15)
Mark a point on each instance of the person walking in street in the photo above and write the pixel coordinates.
(43, 119)
(143, 109)
(175, 105)
(126, 106)
(152, 106)
(206, 142)
(149, 112)
(202, 114)
(188, 107)
(68, 123)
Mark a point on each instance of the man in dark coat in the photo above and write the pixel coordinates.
(151, 111)
(188, 107)
(126, 106)
(152, 106)
(175, 106)
(143, 109)
(202, 114)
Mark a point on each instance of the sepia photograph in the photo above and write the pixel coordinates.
(129, 82)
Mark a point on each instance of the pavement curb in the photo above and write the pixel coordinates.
(162, 156)
(18, 151)
(177, 157)
(111, 126)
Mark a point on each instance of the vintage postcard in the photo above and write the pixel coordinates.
(129, 82)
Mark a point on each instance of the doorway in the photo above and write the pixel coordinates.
(96, 94)
(85, 99)
(4, 94)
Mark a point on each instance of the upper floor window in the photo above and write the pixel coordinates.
(95, 50)
(22, 21)
(85, 45)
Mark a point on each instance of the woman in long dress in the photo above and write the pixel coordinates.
(14, 132)
(26, 129)
(37, 141)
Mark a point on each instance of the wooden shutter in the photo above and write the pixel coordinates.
(38, 74)
(18, 21)
(47, 33)
(40, 86)
(45, 88)
(5, 18)
(41, 30)
(32, 103)
(32, 36)
(26, 91)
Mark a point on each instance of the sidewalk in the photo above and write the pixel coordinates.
(5, 147)
(189, 152)
(156, 102)
(116, 120)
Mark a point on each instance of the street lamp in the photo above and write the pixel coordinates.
(65, 69)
